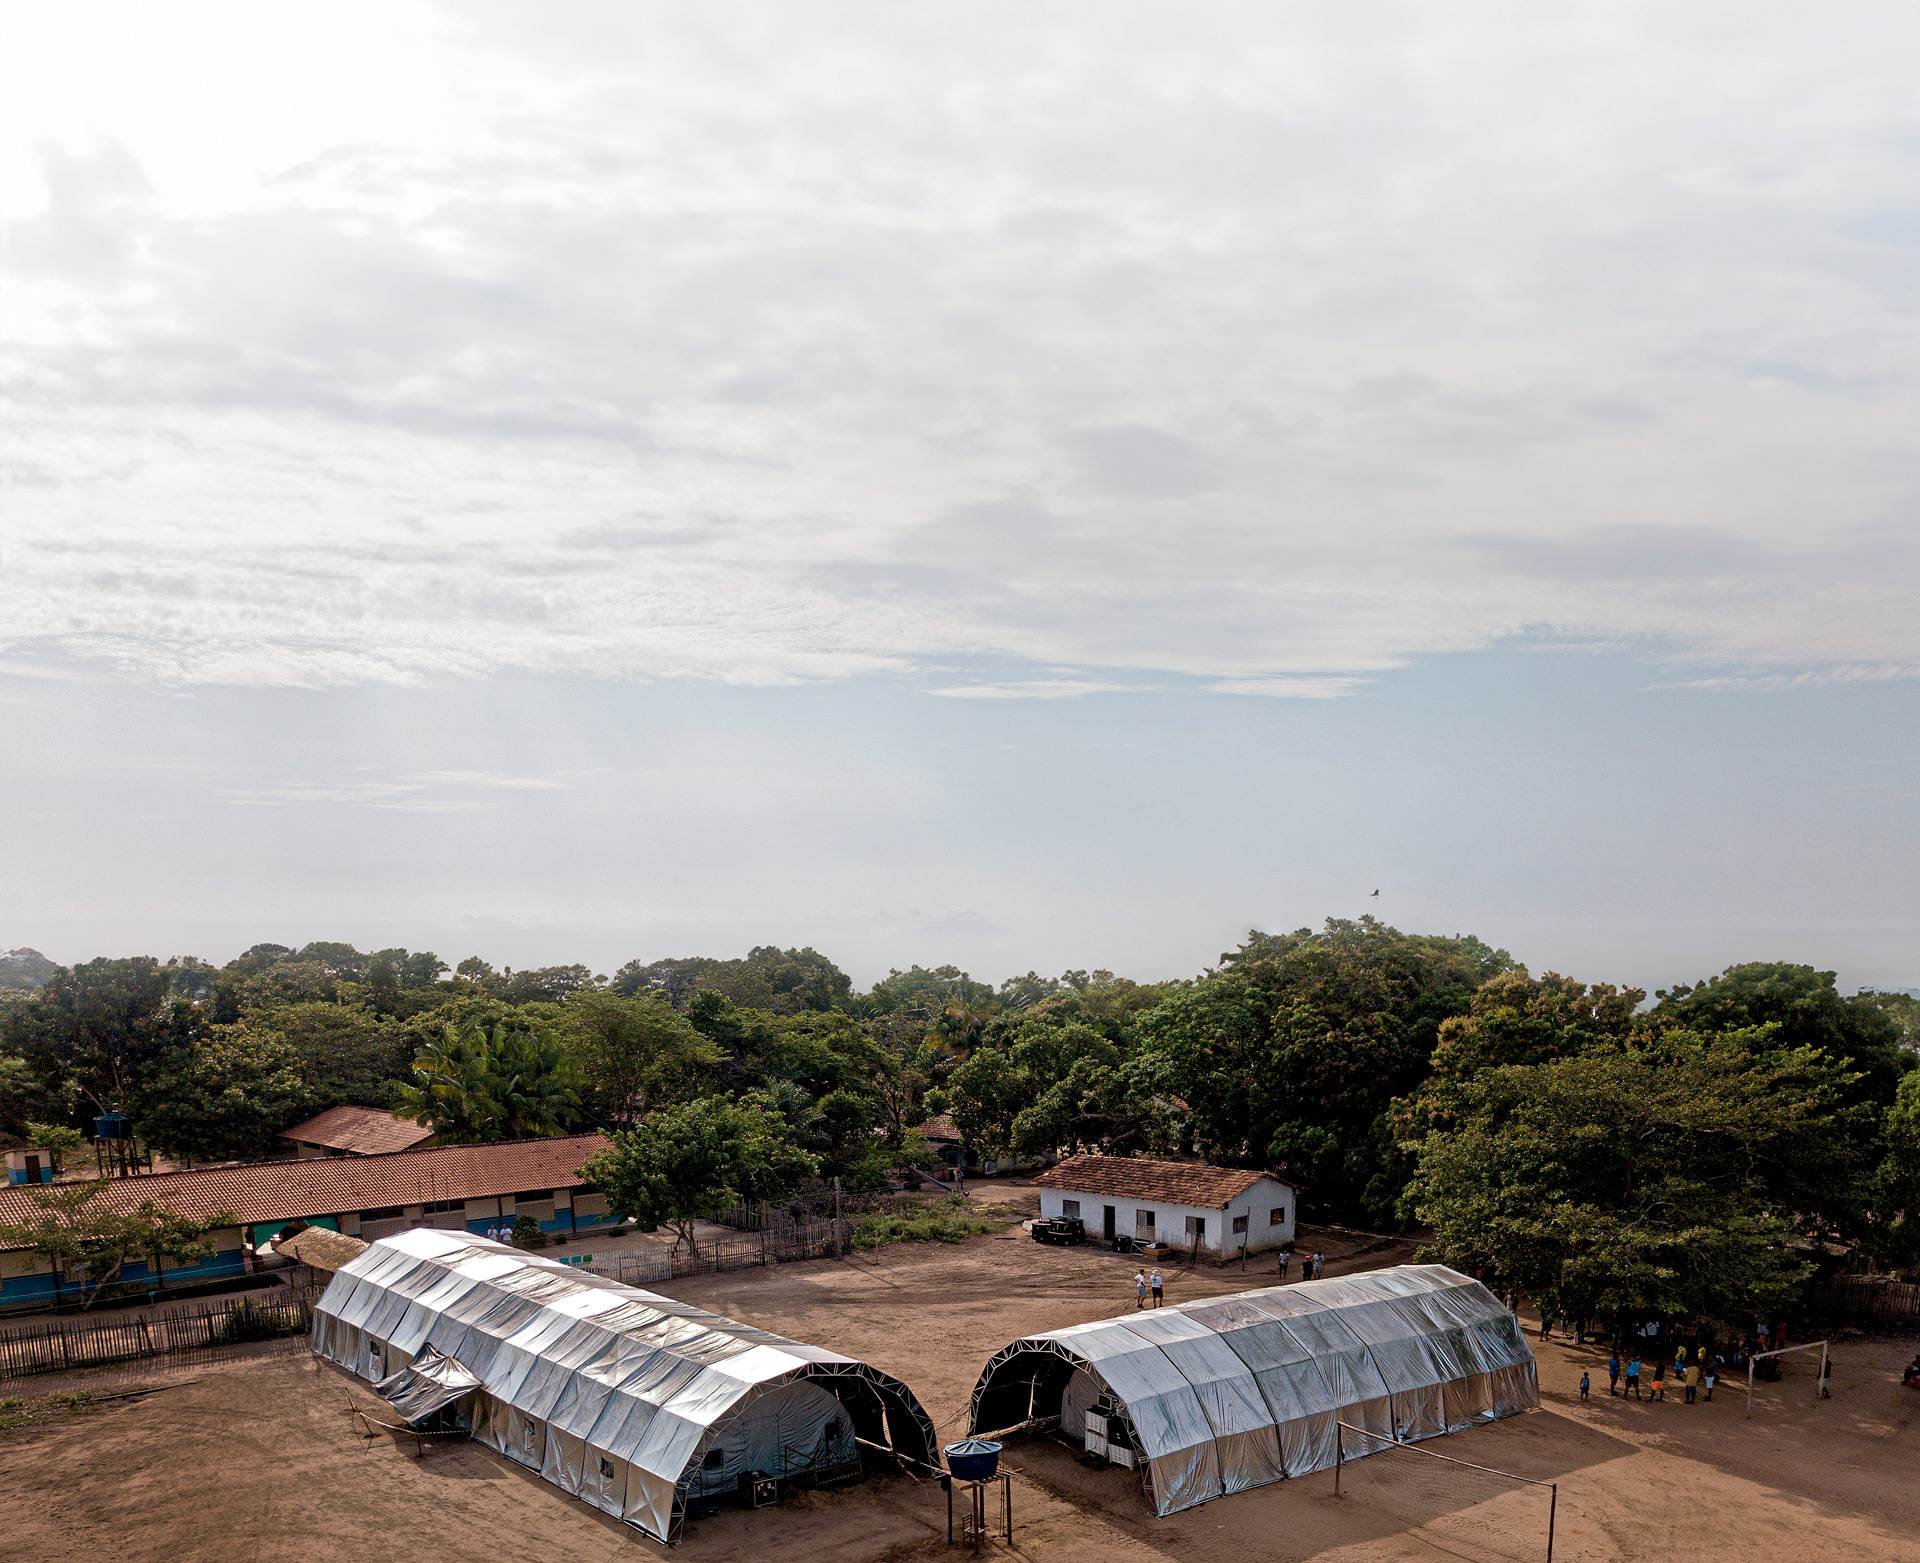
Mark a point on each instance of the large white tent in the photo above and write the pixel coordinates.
(1228, 1393)
(632, 1402)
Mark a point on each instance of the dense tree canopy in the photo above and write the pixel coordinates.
(1665, 1179)
(696, 1159)
(505, 1084)
(1558, 1135)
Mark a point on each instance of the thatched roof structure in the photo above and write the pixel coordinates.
(320, 1249)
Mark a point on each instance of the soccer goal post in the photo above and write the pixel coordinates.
(1426, 1480)
(1820, 1385)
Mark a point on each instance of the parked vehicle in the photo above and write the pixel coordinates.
(1061, 1231)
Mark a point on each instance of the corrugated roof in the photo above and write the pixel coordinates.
(360, 1131)
(1137, 1177)
(334, 1185)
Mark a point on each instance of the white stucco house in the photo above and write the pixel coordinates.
(1217, 1212)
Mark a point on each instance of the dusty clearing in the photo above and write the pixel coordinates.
(255, 1460)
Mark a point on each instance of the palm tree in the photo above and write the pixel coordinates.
(500, 1085)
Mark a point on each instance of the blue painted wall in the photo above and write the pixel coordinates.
(557, 1224)
(39, 1288)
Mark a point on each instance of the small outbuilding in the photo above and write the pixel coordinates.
(644, 1407)
(356, 1131)
(1227, 1393)
(319, 1253)
(1210, 1212)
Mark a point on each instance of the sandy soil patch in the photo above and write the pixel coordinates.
(256, 1460)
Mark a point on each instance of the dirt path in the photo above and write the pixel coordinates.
(256, 1461)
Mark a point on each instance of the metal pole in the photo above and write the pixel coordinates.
(1821, 1388)
(1750, 1366)
(1339, 1457)
(1553, 1505)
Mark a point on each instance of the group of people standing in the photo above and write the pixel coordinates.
(1309, 1264)
(1694, 1368)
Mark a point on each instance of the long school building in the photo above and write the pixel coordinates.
(453, 1187)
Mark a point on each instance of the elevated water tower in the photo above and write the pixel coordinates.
(114, 1146)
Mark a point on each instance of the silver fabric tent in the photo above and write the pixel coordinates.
(1231, 1392)
(428, 1384)
(632, 1402)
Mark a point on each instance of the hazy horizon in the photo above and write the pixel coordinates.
(1024, 489)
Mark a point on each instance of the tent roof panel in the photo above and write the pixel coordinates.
(1222, 1369)
(641, 1377)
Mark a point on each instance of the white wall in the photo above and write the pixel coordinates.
(1170, 1221)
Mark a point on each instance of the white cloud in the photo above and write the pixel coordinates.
(1288, 688)
(1270, 349)
(1034, 689)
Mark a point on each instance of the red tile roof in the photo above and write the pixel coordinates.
(1169, 1182)
(337, 1185)
(360, 1131)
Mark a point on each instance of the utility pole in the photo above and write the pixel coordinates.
(839, 1234)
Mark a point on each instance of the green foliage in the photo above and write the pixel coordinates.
(526, 1232)
(478, 1086)
(24, 969)
(635, 1055)
(21, 1093)
(1052, 1081)
(91, 1030)
(941, 1221)
(19, 1410)
(247, 1321)
(1669, 1179)
(929, 991)
(1517, 1019)
(226, 1095)
(1893, 1234)
(781, 982)
(347, 1053)
(71, 1227)
(56, 1139)
(1808, 1011)
(1288, 1055)
(696, 1160)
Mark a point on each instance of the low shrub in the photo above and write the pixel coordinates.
(930, 1225)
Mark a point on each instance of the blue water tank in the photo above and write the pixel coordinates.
(973, 1459)
(113, 1126)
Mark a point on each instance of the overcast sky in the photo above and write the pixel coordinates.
(1025, 486)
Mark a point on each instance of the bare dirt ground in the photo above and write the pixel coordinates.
(255, 1460)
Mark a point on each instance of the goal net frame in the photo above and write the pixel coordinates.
(1375, 1444)
(1820, 1384)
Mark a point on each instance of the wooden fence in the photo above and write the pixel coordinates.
(733, 1251)
(1889, 1303)
(183, 1334)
